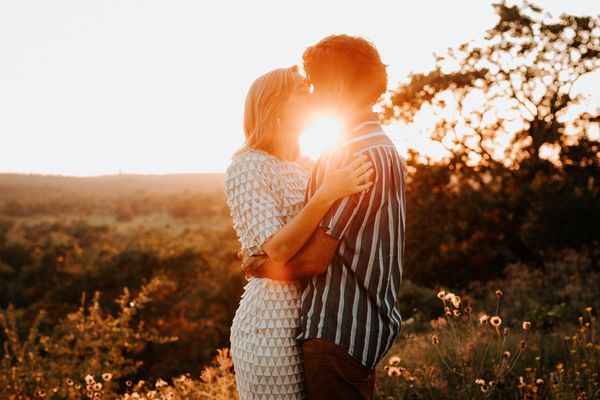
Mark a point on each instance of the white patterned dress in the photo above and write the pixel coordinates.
(263, 194)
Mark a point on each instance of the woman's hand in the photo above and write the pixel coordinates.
(343, 180)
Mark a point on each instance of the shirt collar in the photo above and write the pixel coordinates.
(359, 126)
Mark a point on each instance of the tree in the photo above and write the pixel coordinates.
(519, 139)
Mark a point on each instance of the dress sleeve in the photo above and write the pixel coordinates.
(253, 201)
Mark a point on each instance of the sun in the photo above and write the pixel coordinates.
(322, 134)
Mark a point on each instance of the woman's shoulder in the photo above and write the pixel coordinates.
(251, 155)
(307, 162)
(251, 161)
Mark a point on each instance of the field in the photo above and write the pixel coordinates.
(125, 286)
(136, 278)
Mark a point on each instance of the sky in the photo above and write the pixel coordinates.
(151, 87)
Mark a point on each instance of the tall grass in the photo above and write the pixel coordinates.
(459, 353)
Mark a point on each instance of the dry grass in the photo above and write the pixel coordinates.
(465, 354)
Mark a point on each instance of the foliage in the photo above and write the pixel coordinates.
(47, 260)
(88, 341)
(476, 356)
(549, 296)
(216, 382)
(522, 174)
(512, 206)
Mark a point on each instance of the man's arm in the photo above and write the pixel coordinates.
(312, 259)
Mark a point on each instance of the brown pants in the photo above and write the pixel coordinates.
(331, 373)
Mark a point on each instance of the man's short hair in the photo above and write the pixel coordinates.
(352, 59)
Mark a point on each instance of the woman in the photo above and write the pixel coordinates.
(265, 186)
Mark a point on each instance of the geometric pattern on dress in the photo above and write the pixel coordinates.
(263, 194)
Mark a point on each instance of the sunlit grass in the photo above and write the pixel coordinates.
(465, 354)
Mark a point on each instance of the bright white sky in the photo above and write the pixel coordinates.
(97, 87)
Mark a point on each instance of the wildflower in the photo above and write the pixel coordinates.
(447, 311)
(589, 345)
(484, 318)
(479, 381)
(495, 321)
(160, 383)
(499, 293)
(128, 383)
(106, 376)
(386, 368)
(468, 309)
(456, 313)
(506, 331)
(506, 354)
(97, 386)
(539, 381)
(170, 396)
(77, 386)
(526, 325)
(441, 294)
(42, 393)
(588, 309)
(455, 301)
(484, 388)
(438, 323)
(69, 382)
(523, 344)
(151, 394)
(395, 360)
(393, 371)
(89, 379)
(434, 339)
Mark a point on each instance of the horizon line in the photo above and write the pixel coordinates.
(107, 174)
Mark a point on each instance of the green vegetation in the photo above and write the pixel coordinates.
(125, 286)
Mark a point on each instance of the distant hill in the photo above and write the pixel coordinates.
(109, 185)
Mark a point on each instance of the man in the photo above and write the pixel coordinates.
(353, 261)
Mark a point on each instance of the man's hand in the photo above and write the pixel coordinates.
(253, 265)
(313, 259)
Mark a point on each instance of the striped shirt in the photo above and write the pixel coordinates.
(354, 303)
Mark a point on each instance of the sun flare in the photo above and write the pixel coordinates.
(323, 134)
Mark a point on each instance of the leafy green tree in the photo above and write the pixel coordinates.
(522, 172)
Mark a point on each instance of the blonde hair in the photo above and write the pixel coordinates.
(264, 102)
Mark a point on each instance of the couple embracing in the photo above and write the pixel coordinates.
(322, 243)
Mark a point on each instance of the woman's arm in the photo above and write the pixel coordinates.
(312, 259)
(338, 182)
